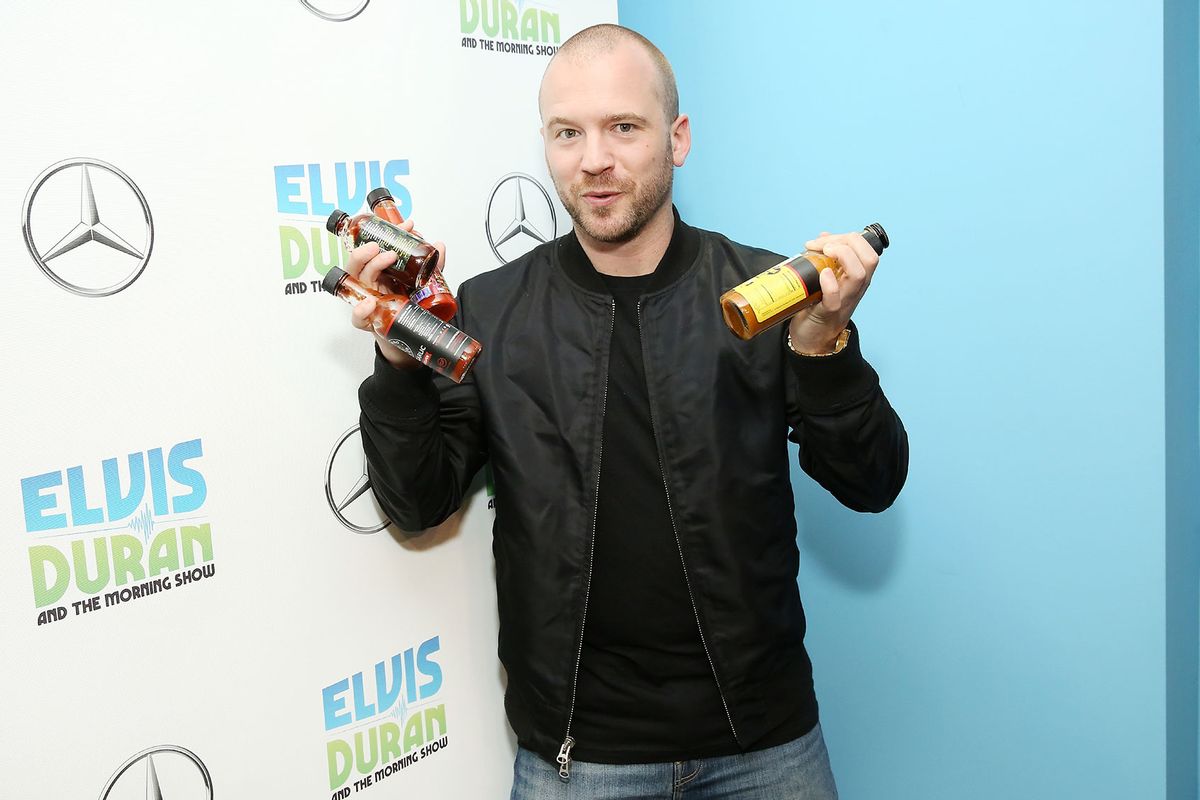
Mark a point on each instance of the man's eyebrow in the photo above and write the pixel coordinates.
(611, 118)
(629, 117)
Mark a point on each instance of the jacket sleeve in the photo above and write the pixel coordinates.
(424, 441)
(851, 441)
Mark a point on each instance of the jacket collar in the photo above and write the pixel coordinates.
(680, 254)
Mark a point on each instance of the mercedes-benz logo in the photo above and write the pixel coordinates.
(92, 271)
(182, 772)
(520, 228)
(347, 467)
(336, 16)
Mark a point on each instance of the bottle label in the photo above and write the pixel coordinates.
(435, 284)
(388, 237)
(779, 287)
(421, 335)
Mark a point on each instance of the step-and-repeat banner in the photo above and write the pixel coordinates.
(198, 593)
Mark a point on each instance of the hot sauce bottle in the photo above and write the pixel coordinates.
(412, 329)
(772, 296)
(415, 257)
(435, 295)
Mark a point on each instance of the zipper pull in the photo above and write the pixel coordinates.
(564, 758)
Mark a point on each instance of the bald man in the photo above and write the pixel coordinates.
(645, 537)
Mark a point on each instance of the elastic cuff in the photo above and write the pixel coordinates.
(830, 383)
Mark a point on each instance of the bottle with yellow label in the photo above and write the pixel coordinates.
(772, 296)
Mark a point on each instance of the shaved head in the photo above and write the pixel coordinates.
(601, 40)
(612, 133)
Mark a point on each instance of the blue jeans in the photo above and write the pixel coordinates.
(798, 770)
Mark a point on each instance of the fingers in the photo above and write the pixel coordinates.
(813, 329)
(360, 256)
(854, 273)
(366, 262)
(369, 276)
(361, 313)
(865, 253)
(831, 291)
(441, 251)
(856, 262)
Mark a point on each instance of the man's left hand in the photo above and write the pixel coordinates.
(815, 329)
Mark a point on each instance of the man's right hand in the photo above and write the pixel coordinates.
(366, 263)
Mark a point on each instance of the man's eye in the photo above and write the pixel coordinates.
(625, 127)
(568, 133)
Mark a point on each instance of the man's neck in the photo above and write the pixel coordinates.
(640, 255)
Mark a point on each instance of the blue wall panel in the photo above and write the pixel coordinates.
(1001, 632)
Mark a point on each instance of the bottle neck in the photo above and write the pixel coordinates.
(343, 233)
(873, 239)
(348, 288)
(386, 209)
(352, 291)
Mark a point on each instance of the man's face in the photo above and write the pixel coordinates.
(609, 147)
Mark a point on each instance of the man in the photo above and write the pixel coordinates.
(650, 621)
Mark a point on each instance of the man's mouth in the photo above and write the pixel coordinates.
(597, 199)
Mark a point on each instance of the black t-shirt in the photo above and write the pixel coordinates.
(646, 691)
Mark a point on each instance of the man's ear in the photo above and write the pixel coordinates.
(681, 139)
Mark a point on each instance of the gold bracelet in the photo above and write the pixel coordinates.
(840, 345)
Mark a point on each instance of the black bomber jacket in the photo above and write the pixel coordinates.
(723, 411)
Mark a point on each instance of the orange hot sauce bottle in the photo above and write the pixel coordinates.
(778, 293)
(417, 333)
(435, 295)
(415, 258)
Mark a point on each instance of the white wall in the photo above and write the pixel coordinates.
(215, 112)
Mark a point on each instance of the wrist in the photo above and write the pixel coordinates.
(826, 345)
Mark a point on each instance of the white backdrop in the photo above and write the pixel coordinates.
(177, 596)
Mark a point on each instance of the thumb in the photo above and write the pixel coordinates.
(831, 295)
(361, 313)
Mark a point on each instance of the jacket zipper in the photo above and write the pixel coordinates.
(564, 752)
(678, 543)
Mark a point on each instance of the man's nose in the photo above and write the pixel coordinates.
(597, 155)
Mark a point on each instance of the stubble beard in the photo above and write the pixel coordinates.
(612, 225)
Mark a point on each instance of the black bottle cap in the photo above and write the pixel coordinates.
(334, 220)
(877, 237)
(375, 195)
(333, 279)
